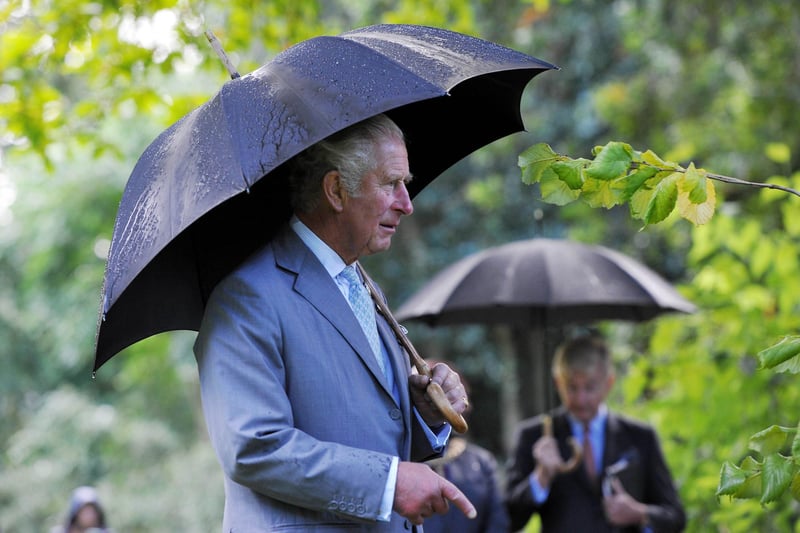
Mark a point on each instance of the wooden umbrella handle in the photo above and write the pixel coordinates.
(577, 449)
(434, 390)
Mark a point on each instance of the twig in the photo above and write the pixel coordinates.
(724, 179)
(221, 53)
(737, 181)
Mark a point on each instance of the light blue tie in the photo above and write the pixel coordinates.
(364, 310)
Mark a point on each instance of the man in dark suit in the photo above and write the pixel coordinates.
(621, 484)
(316, 418)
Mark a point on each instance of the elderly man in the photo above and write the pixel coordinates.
(316, 418)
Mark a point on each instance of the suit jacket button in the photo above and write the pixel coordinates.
(395, 414)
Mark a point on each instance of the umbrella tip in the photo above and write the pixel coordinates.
(215, 44)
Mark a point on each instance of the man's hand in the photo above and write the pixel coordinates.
(452, 387)
(548, 460)
(621, 508)
(420, 492)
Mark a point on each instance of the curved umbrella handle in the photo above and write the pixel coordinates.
(434, 390)
(577, 449)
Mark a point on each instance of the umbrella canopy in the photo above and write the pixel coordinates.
(196, 205)
(543, 282)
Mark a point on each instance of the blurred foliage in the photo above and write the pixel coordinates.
(84, 87)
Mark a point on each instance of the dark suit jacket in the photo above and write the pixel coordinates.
(575, 504)
(301, 417)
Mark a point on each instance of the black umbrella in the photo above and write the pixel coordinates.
(532, 285)
(543, 282)
(195, 205)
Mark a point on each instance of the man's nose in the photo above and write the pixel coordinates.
(403, 200)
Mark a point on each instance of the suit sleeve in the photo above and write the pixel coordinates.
(664, 508)
(518, 496)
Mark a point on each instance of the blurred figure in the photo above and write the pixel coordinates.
(86, 514)
(621, 484)
(474, 470)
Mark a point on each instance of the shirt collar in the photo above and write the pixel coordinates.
(596, 424)
(330, 260)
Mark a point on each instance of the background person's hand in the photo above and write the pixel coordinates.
(548, 460)
(621, 508)
(452, 387)
(420, 492)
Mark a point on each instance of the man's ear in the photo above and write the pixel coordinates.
(332, 190)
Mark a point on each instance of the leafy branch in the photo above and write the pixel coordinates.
(618, 174)
(775, 473)
(654, 188)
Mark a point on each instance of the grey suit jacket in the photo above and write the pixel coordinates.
(298, 411)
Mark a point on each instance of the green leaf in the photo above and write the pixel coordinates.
(570, 172)
(796, 442)
(612, 162)
(535, 160)
(555, 191)
(771, 440)
(663, 200)
(776, 477)
(731, 479)
(636, 180)
(738, 482)
(787, 348)
(791, 365)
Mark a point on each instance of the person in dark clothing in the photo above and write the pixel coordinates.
(472, 469)
(623, 483)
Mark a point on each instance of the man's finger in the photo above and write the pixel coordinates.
(617, 484)
(451, 492)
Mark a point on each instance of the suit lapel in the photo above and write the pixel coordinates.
(315, 285)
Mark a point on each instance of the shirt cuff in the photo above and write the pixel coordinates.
(387, 502)
(437, 438)
(538, 492)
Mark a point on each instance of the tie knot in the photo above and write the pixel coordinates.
(350, 275)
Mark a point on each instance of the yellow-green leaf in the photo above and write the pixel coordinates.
(694, 184)
(778, 152)
(795, 486)
(651, 158)
(698, 213)
(601, 193)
